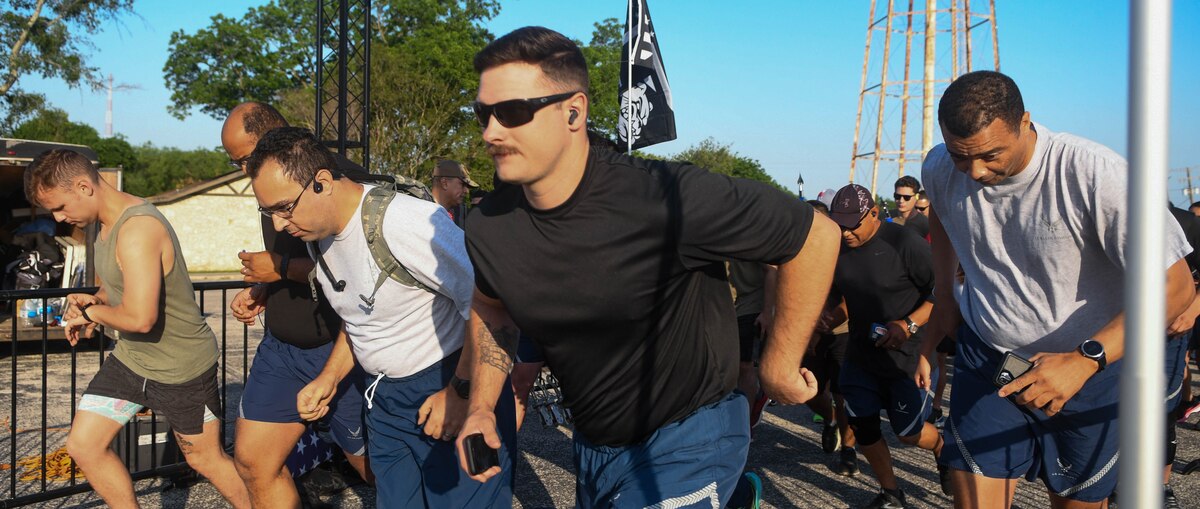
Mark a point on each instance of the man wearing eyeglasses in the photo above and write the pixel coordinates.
(450, 185)
(885, 275)
(299, 331)
(614, 265)
(407, 337)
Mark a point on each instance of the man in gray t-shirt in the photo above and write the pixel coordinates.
(1037, 221)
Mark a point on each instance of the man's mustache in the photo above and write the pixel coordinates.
(500, 150)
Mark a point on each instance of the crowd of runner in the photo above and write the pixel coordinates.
(412, 327)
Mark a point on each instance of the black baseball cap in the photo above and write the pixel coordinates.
(850, 204)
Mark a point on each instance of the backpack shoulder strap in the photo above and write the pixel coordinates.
(374, 207)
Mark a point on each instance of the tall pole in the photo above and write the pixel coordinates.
(927, 96)
(1142, 380)
(108, 131)
(883, 83)
(629, 79)
(1189, 186)
(908, 37)
(862, 92)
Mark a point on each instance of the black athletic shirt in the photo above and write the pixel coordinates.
(884, 280)
(292, 316)
(623, 285)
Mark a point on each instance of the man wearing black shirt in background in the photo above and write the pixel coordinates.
(615, 266)
(298, 337)
(907, 190)
(885, 274)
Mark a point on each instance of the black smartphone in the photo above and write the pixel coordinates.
(480, 457)
(1011, 367)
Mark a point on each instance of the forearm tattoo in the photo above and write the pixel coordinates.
(497, 346)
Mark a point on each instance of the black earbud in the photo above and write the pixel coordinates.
(874, 214)
(317, 187)
(574, 115)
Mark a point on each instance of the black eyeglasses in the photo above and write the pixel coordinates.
(515, 112)
(903, 197)
(920, 208)
(286, 212)
(238, 163)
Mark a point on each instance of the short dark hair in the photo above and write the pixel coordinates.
(910, 182)
(974, 100)
(819, 206)
(260, 118)
(296, 149)
(57, 168)
(558, 57)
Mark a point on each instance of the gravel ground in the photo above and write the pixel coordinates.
(785, 452)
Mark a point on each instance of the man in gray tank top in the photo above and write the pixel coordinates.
(167, 356)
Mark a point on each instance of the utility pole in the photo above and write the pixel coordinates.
(108, 113)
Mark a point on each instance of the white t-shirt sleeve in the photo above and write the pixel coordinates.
(432, 248)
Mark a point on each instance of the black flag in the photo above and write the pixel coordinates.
(647, 116)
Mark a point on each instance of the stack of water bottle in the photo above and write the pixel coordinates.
(38, 312)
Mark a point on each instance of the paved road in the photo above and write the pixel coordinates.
(786, 450)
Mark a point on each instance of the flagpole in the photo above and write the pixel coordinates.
(629, 79)
(1142, 415)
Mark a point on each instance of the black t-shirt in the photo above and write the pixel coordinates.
(292, 316)
(884, 280)
(919, 223)
(1191, 230)
(623, 285)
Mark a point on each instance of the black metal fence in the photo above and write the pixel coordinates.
(38, 468)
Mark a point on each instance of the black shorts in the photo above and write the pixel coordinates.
(182, 405)
(946, 346)
(826, 361)
(748, 336)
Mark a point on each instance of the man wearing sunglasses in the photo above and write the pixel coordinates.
(450, 185)
(407, 337)
(885, 275)
(614, 265)
(908, 189)
(297, 339)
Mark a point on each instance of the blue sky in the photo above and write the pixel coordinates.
(778, 80)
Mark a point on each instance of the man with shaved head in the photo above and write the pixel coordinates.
(300, 327)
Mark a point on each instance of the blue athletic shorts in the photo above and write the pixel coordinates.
(868, 394)
(693, 462)
(413, 470)
(1074, 453)
(281, 370)
(1176, 366)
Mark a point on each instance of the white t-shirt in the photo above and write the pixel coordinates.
(408, 329)
(1043, 251)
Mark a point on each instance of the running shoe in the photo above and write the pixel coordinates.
(887, 500)
(747, 494)
(816, 418)
(848, 463)
(756, 408)
(1189, 408)
(934, 416)
(1169, 501)
(831, 437)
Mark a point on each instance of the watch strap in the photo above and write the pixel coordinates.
(83, 312)
(460, 386)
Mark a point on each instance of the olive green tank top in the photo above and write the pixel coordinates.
(180, 346)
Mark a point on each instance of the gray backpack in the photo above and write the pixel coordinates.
(374, 207)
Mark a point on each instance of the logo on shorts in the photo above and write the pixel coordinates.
(1064, 469)
(356, 434)
(901, 407)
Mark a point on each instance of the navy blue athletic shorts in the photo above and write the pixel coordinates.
(693, 462)
(1074, 453)
(868, 394)
(281, 370)
(413, 470)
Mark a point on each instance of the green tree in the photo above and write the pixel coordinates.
(53, 124)
(48, 38)
(720, 158)
(603, 55)
(267, 51)
(166, 169)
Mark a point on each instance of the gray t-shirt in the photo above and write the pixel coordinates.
(1043, 251)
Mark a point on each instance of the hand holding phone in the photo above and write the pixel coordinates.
(1010, 368)
(480, 457)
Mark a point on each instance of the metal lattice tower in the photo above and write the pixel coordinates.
(344, 76)
(951, 39)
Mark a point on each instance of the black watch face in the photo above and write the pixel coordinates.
(1092, 348)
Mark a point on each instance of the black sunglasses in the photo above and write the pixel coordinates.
(921, 209)
(515, 112)
(858, 224)
(238, 163)
(903, 197)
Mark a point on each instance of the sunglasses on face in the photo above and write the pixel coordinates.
(921, 209)
(903, 197)
(856, 225)
(515, 112)
(237, 164)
